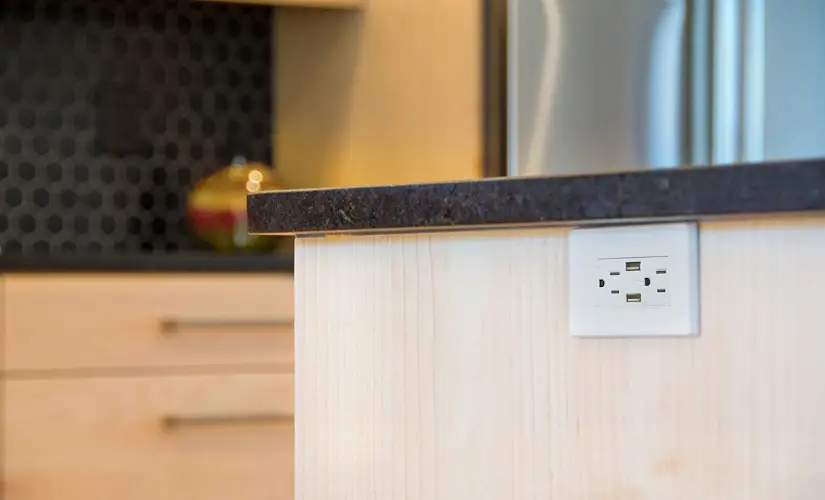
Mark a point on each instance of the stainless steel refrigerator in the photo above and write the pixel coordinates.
(610, 85)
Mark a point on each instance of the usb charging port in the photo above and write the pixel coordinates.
(633, 266)
(634, 297)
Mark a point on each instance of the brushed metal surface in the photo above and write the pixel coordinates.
(600, 85)
(178, 421)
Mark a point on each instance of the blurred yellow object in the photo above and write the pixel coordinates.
(217, 207)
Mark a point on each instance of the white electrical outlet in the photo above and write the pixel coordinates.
(634, 281)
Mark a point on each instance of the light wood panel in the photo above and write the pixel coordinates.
(71, 321)
(326, 4)
(442, 369)
(102, 438)
(390, 94)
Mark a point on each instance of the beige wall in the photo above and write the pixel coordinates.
(440, 368)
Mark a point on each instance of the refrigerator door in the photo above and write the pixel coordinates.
(738, 76)
(768, 80)
(790, 61)
(606, 85)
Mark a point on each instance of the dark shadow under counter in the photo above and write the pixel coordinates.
(171, 262)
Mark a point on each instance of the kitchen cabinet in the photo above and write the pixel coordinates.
(106, 437)
(436, 356)
(325, 4)
(456, 347)
(380, 92)
(128, 321)
(147, 386)
(389, 94)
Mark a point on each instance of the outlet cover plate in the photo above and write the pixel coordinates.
(593, 253)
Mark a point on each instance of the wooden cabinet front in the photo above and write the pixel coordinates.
(194, 437)
(323, 4)
(83, 321)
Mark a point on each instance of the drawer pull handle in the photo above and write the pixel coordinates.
(172, 325)
(178, 421)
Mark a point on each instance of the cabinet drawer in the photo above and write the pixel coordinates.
(70, 321)
(83, 438)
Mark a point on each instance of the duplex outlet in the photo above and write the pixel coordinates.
(634, 281)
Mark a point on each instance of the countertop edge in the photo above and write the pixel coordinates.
(791, 186)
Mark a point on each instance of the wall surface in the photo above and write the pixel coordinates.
(111, 109)
(441, 368)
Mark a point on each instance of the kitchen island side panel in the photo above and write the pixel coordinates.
(439, 366)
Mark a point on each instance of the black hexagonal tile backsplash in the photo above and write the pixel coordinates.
(110, 110)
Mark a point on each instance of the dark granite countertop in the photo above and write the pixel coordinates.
(681, 193)
(146, 262)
